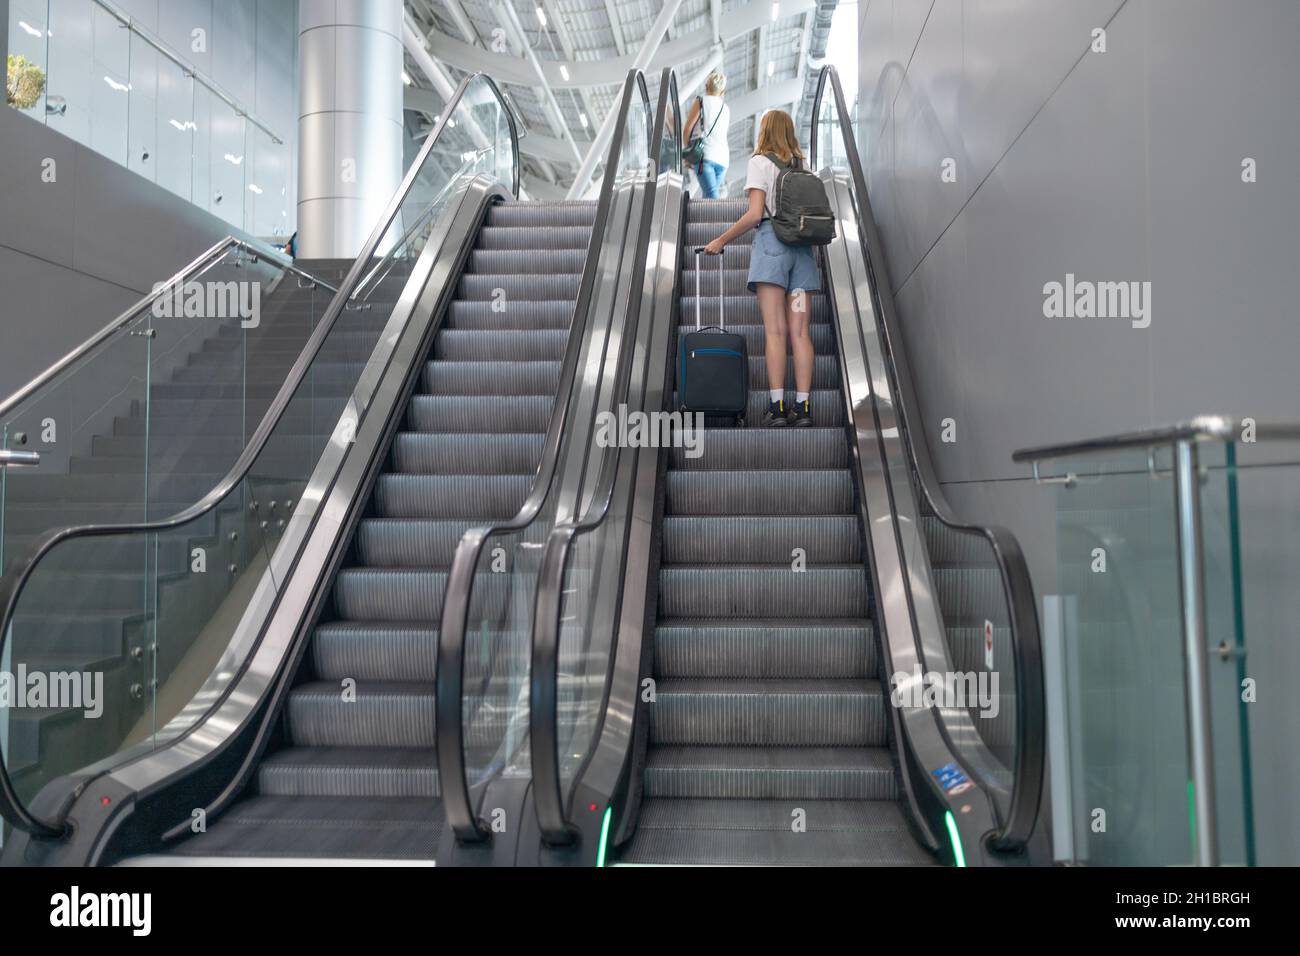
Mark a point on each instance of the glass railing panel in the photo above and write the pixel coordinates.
(78, 416)
(1122, 659)
(1251, 564)
(159, 611)
(150, 419)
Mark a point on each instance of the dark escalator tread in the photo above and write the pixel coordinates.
(708, 647)
(761, 833)
(760, 492)
(768, 712)
(374, 651)
(771, 773)
(383, 714)
(497, 453)
(747, 591)
(761, 539)
(755, 449)
(450, 496)
(393, 828)
(350, 772)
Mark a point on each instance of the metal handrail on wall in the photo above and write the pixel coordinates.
(128, 21)
(449, 717)
(1013, 571)
(12, 807)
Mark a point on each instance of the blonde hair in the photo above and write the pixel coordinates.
(715, 84)
(776, 135)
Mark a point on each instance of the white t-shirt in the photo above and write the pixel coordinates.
(716, 149)
(761, 174)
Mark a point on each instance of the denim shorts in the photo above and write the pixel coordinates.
(790, 267)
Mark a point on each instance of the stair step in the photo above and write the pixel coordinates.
(758, 713)
(700, 647)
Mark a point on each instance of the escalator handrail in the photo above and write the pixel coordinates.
(1013, 570)
(201, 263)
(548, 796)
(11, 585)
(450, 664)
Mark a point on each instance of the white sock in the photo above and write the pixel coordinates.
(777, 394)
(801, 397)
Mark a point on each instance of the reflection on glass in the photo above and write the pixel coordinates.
(109, 87)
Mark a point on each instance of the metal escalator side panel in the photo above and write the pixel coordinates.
(1012, 601)
(869, 398)
(613, 759)
(244, 689)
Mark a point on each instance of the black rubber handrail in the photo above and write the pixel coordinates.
(11, 585)
(1017, 587)
(450, 664)
(548, 789)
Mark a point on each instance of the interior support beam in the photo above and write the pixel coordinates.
(653, 38)
(505, 68)
(508, 17)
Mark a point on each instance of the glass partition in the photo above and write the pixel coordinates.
(151, 425)
(1124, 710)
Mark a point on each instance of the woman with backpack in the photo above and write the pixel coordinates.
(783, 270)
(706, 136)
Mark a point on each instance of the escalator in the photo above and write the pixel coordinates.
(353, 775)
(293, 716)
(813, 661)
(771, 711)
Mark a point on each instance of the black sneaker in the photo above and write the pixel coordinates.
(775, 416)
(800, 414)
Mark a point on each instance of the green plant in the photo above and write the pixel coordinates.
(24, 83)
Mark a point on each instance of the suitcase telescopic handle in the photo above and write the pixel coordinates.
(722, 290)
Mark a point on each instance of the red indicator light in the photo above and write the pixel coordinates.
(592, 808)
(105, 801)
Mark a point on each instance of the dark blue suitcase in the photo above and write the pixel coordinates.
(713, 364)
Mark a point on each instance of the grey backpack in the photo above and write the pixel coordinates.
(801, 213)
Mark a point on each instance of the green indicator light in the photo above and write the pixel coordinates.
(953, 835)
(604, 836)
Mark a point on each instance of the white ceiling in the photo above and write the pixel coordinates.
(586, 36)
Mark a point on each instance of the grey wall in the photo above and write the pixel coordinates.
(1123, 165)
(76, 251)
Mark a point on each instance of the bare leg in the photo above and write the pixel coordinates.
(771, 303)
(798, 311)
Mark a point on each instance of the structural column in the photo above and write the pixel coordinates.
(350, 121)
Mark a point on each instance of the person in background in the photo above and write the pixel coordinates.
(780, 275)
(714, 118)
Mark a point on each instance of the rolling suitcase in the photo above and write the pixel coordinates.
(713, 369)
